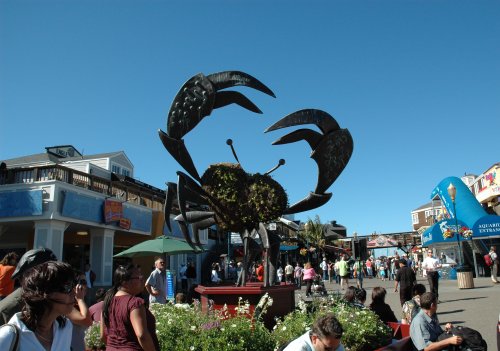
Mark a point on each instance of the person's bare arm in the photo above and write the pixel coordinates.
(151, 290)
(102, 329)
(80, 317)
(138, 321)
(440, 345)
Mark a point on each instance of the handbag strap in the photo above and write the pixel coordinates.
(14, 345)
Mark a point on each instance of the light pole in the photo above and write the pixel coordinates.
(452, 191)
(354, 240)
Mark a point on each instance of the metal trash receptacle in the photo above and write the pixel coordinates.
(465, 279)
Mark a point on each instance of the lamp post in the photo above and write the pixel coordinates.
(452, 191)
(354, 240)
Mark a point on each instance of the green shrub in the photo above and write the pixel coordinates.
(93, 338)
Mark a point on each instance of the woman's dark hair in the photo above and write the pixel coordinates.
(9, 257)
(378, 296)
(360, 295)
(37, 283)
(122, 274)
(418, 289)
(99, 294)
(350, 294)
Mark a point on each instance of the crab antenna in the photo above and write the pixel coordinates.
(230, 143)
(280, 163)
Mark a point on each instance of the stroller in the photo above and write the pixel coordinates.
(318, 286)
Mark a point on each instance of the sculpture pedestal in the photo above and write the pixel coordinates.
(283, 299)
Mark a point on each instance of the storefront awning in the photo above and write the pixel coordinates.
(434, 235)
(487, 226)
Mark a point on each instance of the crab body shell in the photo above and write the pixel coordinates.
(239, 199)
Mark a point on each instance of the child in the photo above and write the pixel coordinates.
(382, 272)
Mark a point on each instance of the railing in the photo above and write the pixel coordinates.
(126, 192)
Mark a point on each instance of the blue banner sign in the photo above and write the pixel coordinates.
(21, 203)
(83, 207)
(170, 286)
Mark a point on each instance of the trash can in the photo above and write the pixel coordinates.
(465, 278)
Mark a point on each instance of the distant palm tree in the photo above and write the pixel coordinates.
(313, 233)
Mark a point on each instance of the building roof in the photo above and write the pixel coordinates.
(48, 158)
(435, 203)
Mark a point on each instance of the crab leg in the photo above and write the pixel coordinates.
(331, 151)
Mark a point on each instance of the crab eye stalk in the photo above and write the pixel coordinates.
(281, 162)
(230, 143)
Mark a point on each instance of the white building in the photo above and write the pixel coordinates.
(58, 200)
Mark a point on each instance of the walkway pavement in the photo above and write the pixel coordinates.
(476, 308)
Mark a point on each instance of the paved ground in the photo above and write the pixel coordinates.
(477, 308)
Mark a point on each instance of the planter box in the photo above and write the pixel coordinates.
(217, 296)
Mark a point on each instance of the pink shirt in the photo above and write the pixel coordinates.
(309, 273)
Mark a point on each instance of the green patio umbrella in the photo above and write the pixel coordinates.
(161, 245)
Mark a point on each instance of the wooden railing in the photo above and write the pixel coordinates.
(136, 194)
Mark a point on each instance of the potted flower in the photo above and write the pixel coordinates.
(93, 338)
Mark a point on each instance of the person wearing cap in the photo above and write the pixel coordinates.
(406, 279)
(13, 303)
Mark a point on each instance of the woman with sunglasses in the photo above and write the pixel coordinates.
(125, 321)
(48, 294)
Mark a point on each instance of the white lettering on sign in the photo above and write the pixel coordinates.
(489, 227)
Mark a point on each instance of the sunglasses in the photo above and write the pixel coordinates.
(66, 288)
(161, 262)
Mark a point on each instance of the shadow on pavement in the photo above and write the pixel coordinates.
(448, 312)
(467, 298)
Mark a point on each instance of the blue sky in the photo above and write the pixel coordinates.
(417, 83)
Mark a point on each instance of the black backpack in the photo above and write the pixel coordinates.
(472, 339)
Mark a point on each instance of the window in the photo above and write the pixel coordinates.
(115, 169)
(428, 213)
(414, 218)
(126, 172)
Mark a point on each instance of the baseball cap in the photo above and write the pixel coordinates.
(33, 258)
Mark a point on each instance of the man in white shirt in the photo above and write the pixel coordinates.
(156, 284)
(431, 265)
(324, 268)
(288, 273)
(494, 266)
(325, 334)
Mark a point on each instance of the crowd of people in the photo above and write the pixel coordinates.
(44, 301)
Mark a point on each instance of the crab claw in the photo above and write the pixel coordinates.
(195, 100)
(199, 96)
(331, 150)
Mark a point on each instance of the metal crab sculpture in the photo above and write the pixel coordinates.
(245, 202)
